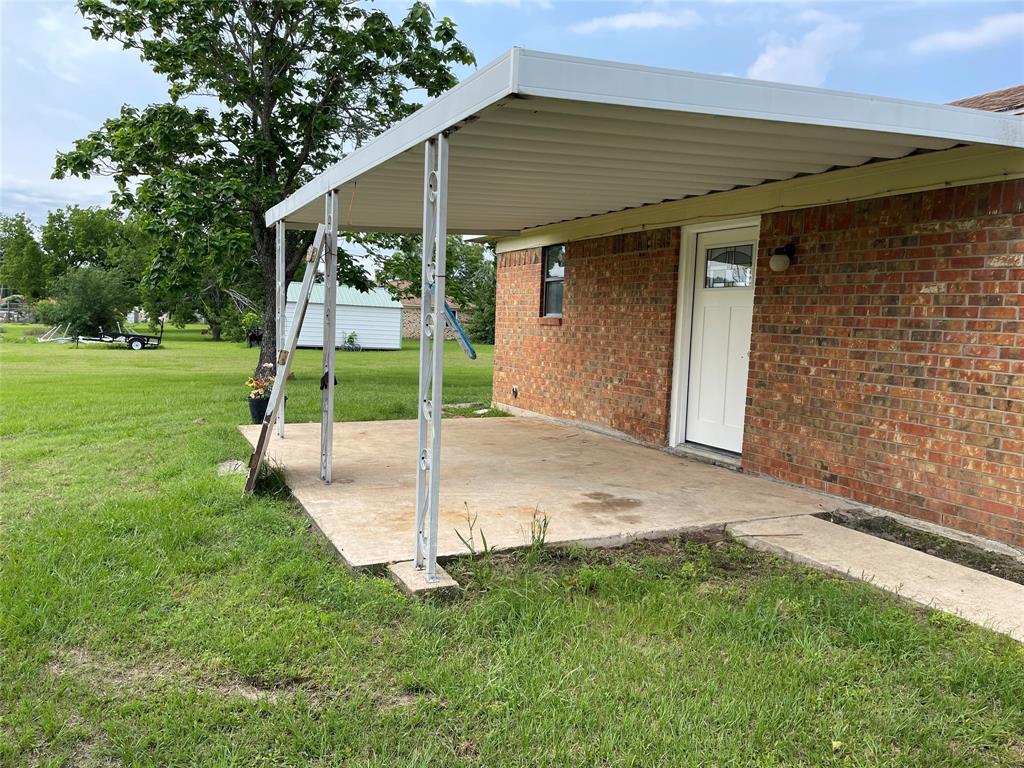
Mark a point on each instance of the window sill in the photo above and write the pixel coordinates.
(549, 320)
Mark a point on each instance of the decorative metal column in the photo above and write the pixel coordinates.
(280, 307)
(432, 324)
(330, 308)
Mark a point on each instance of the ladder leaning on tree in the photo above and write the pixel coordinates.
(317, 251)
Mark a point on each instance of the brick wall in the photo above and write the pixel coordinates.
(887, 364)
(609, 361)
(411, 320)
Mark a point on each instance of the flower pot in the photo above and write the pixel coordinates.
(258, 409)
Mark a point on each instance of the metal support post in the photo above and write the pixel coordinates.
(280, 307)
(330, 331)
(432, 325)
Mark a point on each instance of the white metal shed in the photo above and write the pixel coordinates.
(375, 317)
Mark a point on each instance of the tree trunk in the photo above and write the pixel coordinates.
(263, 240)
(265, 252)
(215, 329)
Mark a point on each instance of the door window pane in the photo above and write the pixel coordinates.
(731, 266)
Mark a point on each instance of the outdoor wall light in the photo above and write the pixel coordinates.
(782, 257)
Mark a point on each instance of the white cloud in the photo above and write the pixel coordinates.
(675, 19)
(992, 30)
(63, 43)
(66, 116)
(806, 61)
(37, 196)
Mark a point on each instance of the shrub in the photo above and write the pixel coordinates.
(47, 311)
(250, 322)
(92, 298)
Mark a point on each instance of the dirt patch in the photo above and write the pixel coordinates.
(638, 549)
(993, 563)
(231, 467)
(396, 696)
(468, 749)
(723, 555)
(81, 663)
(122, 676)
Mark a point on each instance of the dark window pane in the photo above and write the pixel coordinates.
(551, 283)
(729, 267)
(553, 297)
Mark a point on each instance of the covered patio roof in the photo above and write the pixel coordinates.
(537, 138)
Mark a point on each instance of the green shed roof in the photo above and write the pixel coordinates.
(348, 296)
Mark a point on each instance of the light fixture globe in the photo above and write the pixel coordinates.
(782, 257)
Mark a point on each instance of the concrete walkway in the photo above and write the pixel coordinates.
(921, 578)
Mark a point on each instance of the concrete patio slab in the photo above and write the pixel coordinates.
(921, 578)
(595, 489)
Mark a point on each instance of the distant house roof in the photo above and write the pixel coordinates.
(1006, 100)
(347, 296)
(414, 302)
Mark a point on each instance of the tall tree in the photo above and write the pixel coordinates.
(399, 266)
(483, 295)
(297, 83)
(95, 237)
(24, 267)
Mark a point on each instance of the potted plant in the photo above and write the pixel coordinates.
(260, 385)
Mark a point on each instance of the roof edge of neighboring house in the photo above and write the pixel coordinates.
(1005, 100)
(414, 302)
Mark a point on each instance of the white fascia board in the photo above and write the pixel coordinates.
(483, 88)
(603, 82)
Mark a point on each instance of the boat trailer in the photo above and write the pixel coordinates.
(134, 340)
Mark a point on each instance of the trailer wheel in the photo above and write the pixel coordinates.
(136, 343)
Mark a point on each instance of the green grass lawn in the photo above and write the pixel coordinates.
(149, 615)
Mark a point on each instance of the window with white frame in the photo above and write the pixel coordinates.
(553, 280)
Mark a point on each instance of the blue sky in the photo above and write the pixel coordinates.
(57, 83)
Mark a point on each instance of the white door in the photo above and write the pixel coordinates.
(723, 305)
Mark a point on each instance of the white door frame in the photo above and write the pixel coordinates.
(684, 317)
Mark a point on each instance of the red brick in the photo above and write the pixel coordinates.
(882, 363)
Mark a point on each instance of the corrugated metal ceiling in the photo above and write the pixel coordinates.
(570, 138)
